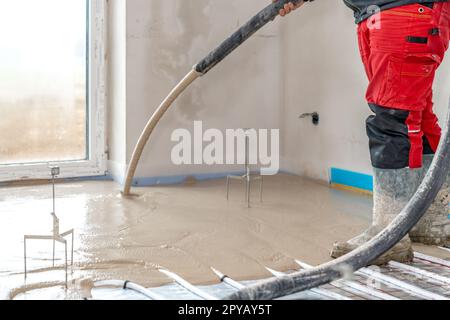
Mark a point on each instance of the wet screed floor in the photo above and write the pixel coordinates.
(185, 229)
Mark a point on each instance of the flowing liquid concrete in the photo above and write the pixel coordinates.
(185, 228)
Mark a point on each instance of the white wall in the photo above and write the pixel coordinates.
(164, 39)
(116, 102)
(306, 62)
(323, 72)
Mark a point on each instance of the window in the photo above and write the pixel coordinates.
(51, 88)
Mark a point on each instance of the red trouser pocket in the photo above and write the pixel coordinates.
(408, 81)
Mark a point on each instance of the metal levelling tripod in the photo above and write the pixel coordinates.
(56, 236)
(248, 177)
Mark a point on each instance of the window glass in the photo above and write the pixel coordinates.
(43, 80)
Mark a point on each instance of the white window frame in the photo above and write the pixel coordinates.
(95, 165)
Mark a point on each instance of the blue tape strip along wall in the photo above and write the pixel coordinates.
(351, 179)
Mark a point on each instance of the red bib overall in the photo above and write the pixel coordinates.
(401, 49)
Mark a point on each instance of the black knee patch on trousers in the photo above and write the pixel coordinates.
(426, 146)
(388, 138)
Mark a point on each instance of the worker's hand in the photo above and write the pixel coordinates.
(289, 7)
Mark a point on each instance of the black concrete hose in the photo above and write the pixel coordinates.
(239, 37)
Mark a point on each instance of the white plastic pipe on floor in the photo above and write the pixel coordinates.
(129, 285)
(227, 280)
(322, 292)
(445, 249)
(420, 272)
(409, 288)
(189, 287)
(359, 287)
(434, 260)
(391, 281)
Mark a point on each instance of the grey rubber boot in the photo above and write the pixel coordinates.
(434, 228)
(392, 191)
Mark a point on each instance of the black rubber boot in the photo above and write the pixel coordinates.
(434, 228)
(392, 191)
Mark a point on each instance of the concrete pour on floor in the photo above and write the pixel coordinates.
(185, 228)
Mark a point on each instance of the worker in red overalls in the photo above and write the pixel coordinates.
(402, 43)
